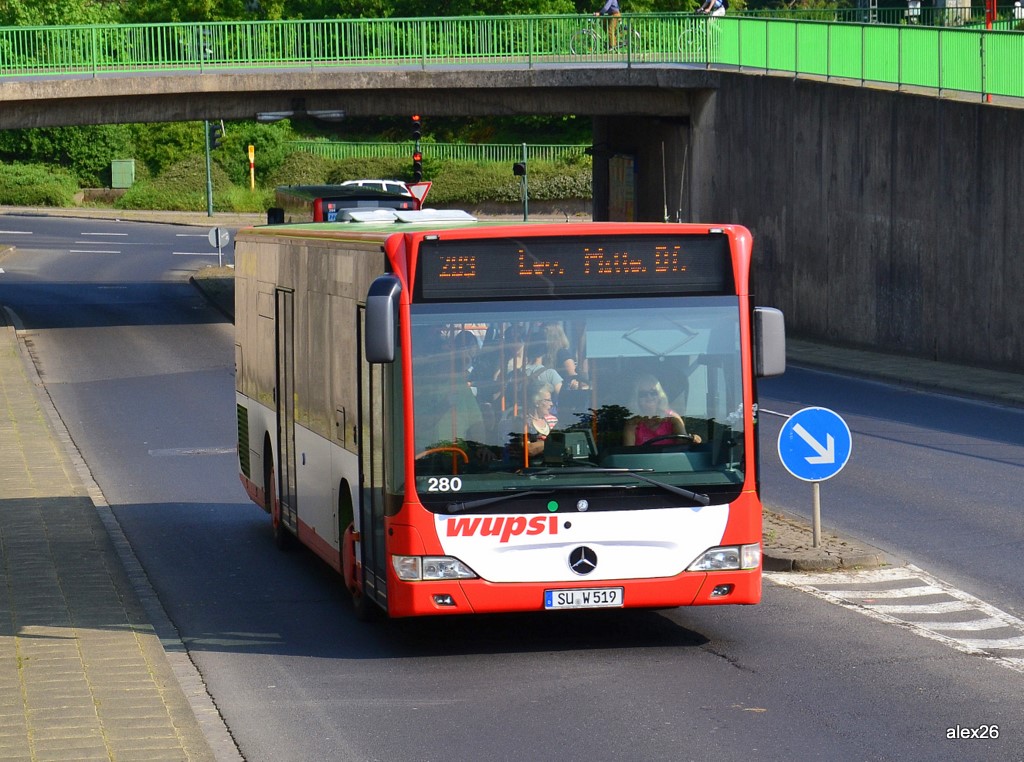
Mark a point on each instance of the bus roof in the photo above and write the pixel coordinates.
(380, 223)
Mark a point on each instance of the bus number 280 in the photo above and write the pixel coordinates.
(444, 484)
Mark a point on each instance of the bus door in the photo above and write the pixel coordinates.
(371, 473)
(284, 322)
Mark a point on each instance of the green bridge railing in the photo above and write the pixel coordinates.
(496, 152)
(963, 58)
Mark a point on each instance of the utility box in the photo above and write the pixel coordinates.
(122, 173)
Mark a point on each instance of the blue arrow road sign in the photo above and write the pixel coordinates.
(815, 444)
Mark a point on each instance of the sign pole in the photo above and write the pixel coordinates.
(816, 514)
(209, 173)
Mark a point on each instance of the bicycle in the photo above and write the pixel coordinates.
(699, 39)
(588, 40)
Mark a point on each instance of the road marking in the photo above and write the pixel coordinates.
(195, 253)
(15, 232)
(872, 592)
(93, 251)
(173, 451)
(124, 234)
(122, 243)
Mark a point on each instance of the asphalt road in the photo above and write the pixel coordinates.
(140, 369)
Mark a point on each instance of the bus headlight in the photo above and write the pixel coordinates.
(728, 557)
(417, 568)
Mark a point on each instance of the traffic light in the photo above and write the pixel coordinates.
(519, 168)
(417, 128)
(417, 166)
(216, 136)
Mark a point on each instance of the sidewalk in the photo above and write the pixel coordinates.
(90, 669)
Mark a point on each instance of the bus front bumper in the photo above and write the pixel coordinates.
(477, 596)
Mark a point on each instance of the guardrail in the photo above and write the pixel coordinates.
(945, 58)
(948, 16)
(490, 152)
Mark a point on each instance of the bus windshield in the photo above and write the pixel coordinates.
(607, 397)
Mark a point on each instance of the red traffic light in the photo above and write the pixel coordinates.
(417, 156)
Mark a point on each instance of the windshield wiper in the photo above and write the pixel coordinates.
(697, 497)
(468, 506)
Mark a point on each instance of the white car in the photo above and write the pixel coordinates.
(391, 186)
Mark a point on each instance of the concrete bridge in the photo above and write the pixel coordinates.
(882, 218)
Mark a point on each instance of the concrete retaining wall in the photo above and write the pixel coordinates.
(881, 219)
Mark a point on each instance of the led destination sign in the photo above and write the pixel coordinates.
(496, 268)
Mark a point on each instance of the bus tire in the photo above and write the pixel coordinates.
(282, 537)
(364, 609)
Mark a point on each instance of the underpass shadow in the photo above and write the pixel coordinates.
(46, 305)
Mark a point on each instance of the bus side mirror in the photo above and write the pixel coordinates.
(381, 308)
(769, 342)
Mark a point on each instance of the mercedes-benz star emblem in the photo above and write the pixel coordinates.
(582, 560)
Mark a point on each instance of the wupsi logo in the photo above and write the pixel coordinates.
(503, 527)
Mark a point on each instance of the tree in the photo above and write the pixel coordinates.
(49, 13)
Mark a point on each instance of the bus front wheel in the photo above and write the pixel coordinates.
(282, 537)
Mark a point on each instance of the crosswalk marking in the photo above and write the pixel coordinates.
(946, 607)
(917, 591)
(974, 624)
(888, 595)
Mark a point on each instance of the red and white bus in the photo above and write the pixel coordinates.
(389, 419)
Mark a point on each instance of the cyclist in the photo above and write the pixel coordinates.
(611, 8)
(713, 7)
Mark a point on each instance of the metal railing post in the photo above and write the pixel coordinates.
(529, 43)
(828, 55)
(863, 59)
(796, 56)
(986, 96)
(423, 43)
(899, 60)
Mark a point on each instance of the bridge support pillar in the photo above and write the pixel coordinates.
(641, 168)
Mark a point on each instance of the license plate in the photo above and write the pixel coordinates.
(583, 598)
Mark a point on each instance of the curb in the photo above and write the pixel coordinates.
(788, 547)
(217, 304)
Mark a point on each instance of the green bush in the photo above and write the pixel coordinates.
(473, 183)
(371, 168)
(181, 187)
(301, 168)
(268, 141)
(243, 200)
(36, 185)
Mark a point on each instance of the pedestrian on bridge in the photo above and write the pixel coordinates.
(611, 8)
